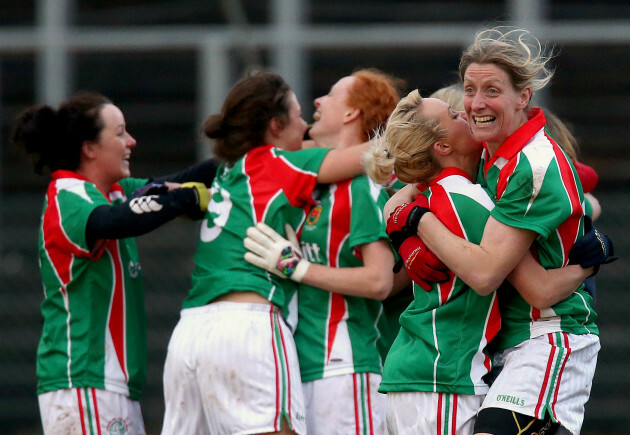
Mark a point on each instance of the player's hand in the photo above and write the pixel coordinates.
(422, 265)
(203, 198)
(592, 250)
(270, 251)
(403, 222)
(149, 189)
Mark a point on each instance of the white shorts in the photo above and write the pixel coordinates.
(419, 412)
(232, 368)
(551, 374)
(345, 404)
(89, 411)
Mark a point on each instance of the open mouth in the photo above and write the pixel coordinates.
(482, 121)
(316, 116)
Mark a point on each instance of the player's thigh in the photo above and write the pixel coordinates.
(248, 371)
(343, 404)
(418, 412)
(547, 375)
(89, 410)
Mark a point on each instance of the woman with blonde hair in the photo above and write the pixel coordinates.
(434, 373)
(538, 206)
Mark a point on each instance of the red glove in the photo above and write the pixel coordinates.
(588, 176)
(422, 265)
(403, 222)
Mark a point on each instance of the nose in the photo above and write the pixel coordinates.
(131, 142)
(317, 102)
(478, 101)
(462, 113)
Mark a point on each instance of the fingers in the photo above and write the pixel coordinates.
(263, 234)
(292, 236)
(268, 231)
(426, 286)
(255, 247)
(255, 260)
(434, 275)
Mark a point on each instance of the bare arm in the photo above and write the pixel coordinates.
(374, 279)
(406, 194)
(483, 267)
(542, 288)
(340, 164)
(597, 208)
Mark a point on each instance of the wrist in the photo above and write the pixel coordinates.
(300, 270)
(414, 218)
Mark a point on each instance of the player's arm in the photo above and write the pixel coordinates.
(203, 172)
(542, 288)
(142, 214)
(282, 256)
(342, 163)
(405, 195)
(483, 267)
(374, 280)
(595, 205)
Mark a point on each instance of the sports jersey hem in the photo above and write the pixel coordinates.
(196, 304)
(368, 239)
(402, 387)
(339, 372)
(127, 391)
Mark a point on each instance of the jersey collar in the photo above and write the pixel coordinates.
(447, 172)
(517, 140)
(64, 173)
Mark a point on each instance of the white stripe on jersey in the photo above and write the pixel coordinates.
(539, 153)
(291, 165)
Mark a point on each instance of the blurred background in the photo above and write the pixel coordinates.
(169, 63)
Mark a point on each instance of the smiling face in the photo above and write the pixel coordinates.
(494, 108)
(330, 110)
(458, 134)
(113, 147)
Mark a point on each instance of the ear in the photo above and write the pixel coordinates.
(351, 115)
(442, 148)
(88, 149)
(525, 97)
(276, 125)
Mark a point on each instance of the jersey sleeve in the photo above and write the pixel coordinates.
(535, 198)
(129, 185)
(298, 171)
(368, 200)
(69, 212)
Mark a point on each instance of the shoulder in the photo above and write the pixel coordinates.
(457, 184)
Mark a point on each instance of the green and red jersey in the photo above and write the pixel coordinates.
(94, 332)
(337, 334)
(267, 185)
(535, 187)
(444, 333)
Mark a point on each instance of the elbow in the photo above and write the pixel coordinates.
(483, 283)
(380, 287)
(540, 302)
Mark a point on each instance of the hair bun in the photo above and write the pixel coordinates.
(214, 127)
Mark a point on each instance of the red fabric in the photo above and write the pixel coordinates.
(588, 176)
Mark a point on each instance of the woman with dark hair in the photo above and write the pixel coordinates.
(232, 365)
(91, 360)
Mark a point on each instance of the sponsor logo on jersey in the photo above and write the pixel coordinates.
(314, 215)
(117, 426)
(511, 399)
